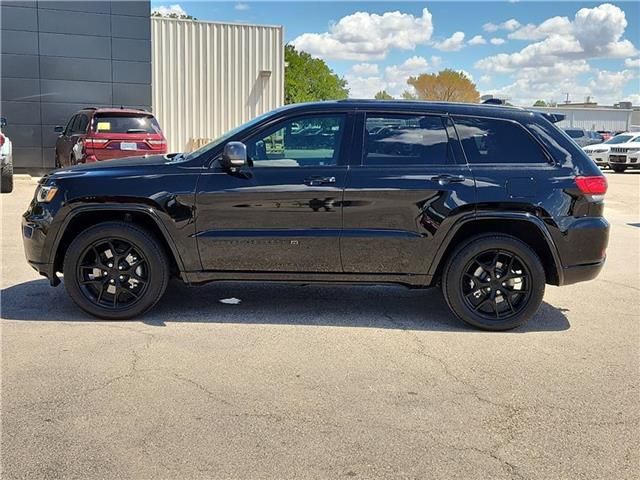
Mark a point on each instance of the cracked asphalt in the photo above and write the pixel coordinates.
(322, 381)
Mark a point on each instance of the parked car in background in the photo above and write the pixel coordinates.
(96, 134)
(439, 198)
(624, 151)
(583, 137)
(606, 134)
(600, 153)
(6, 160)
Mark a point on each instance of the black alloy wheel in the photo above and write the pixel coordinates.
(496, 284)
(116, 270)
(113, 273)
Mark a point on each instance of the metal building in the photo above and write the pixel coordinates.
(210, 77)
(61, 56)
(593, 118)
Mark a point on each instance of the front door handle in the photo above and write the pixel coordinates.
(315, 181)
(446, 179)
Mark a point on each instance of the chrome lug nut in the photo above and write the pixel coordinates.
(110, 265)
(112, 281)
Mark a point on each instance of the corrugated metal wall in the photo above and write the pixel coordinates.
(594, 118)
(211, 77)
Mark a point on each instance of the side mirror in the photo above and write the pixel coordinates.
(234, 156)
(58, 129)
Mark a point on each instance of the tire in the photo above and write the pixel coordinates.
(465, 290)
(618, 168)
(6, 178)
(119, 293)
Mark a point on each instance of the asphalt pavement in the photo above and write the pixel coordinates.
(322, 381)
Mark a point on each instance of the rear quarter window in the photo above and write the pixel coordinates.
(125, 124)
(486, 140)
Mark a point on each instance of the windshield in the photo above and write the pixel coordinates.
(229, 134)
(125, 124)
(619, 139)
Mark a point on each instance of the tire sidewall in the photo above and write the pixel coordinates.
(142, 240)
(464, 254)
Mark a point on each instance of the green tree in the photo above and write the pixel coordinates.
(173, 15)
(308, 79)
(540, 103)
(383, 95)
(447, 85)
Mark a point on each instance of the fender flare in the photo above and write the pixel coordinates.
(479, 217)
(120, 207)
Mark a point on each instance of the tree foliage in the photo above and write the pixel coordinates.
(173, 15)
(308, 79)
(446, 85)
(383, 95)
(540, 103)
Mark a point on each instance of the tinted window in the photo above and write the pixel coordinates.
(575, 133)
(405, 140)
(312, 141)
(69, 128)
(497, 141)
(619, 139)
(81, 124)
(125, 124)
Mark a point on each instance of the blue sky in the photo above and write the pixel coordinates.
(516, 49)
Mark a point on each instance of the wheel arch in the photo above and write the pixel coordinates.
(85, 217)
(523, 226)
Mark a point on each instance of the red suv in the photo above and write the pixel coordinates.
(95, 134)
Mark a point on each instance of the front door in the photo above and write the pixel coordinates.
(409, 186)
(284, 213)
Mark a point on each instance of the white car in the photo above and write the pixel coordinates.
(600, 153)
(6, 160)
(625, 153)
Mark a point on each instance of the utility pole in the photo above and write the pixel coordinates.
(567, 100)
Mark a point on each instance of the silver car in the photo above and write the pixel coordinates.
(584, 137)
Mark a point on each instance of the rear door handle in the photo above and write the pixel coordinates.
(315, 181)
(446, 179)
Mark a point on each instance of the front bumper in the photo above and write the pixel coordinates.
(628, 159)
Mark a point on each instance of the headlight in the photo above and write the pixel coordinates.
(633, 150)
(46, 193)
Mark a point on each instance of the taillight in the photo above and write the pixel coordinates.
(1, 139)
(157, 143)
(95, 142)
(596, 185)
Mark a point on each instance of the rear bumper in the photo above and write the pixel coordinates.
(581, 273)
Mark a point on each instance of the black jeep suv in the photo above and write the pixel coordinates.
(489, 202)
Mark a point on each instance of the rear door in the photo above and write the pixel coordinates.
(406, 188)
(284, 213)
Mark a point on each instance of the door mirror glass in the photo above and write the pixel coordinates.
(3, 122)
(58, 129)
(234, 155)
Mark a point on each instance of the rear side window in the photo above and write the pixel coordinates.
(405, 140)
(81, 124)
(125, 124)
(574, 133)
(486, 140)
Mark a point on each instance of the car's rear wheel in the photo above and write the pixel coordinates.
(115, 270)
(494, 282)
(618, 168)
(6, 178)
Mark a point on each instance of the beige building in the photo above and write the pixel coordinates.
(210, 77)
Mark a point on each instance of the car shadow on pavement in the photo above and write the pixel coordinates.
(272, 303)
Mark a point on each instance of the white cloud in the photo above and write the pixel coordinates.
(364, 82)
(594, 33)
(554, 25)
(242, 7)
(510, 25)
(634, 98)
(477, 40)
(497, 41)
(485, 79)
(632, 62)
(452, 44)
(365, 36)
(165, 11)
(365, 69)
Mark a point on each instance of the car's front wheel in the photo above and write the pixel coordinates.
(494, 282)
(115, 270)
(6, 178)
